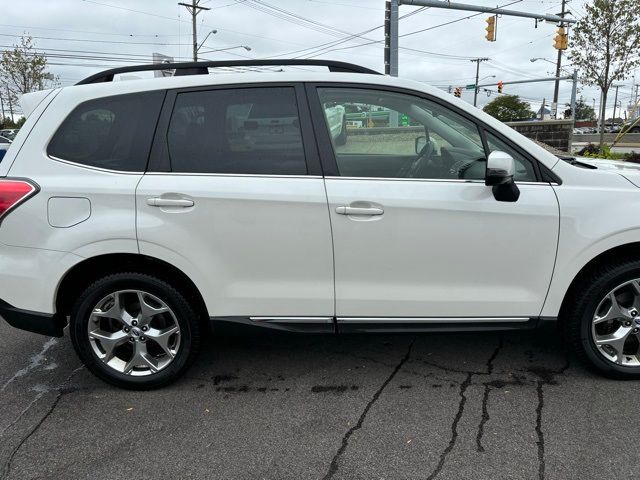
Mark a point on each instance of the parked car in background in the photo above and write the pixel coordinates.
(5, 140)
(143, 212)
(631, 127)
(3, 150)
(9, 133)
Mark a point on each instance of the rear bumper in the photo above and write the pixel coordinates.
(35, 322)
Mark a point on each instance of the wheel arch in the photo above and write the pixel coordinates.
(619, 252)
(77, 278)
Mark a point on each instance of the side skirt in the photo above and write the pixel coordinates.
(334, 325)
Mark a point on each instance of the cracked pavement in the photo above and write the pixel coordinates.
(446, 406)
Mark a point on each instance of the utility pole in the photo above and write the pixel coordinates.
(391, 38)
(558, 64)
(194, 9)
(574, 92)
(475, 87)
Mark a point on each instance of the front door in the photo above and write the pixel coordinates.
(417, 234)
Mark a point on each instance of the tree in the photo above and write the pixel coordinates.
(508, 108)
(23, 70)
(606, 44)
(583, 110)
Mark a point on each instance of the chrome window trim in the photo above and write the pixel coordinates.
(438, 180)
(90, 167)
(259, 175)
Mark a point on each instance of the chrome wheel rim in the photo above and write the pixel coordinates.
(615, 327)
(134, 333)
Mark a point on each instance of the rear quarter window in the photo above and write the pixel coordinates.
(113, 133)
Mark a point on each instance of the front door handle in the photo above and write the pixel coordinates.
(344, 210)
(169, 202)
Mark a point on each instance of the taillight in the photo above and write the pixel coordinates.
(13, 192)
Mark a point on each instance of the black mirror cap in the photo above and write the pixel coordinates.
(506, 192)
(497, 177)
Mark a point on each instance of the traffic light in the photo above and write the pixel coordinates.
(500, 86)
(561, 40)
(491, 29)
(458, 92)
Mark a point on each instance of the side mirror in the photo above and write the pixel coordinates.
(500, 170)
(421, 142)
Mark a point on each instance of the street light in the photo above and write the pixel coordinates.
(212, 32)
(549, 61)
(541, 58)
(488, 76)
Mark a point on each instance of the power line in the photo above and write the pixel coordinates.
(344, 40)
(419, 31)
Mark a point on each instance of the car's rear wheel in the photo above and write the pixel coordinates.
(604, 322)
(134, 331)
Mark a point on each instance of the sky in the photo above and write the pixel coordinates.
(82, 37)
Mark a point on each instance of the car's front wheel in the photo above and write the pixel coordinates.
(134, 331)
(604, 319)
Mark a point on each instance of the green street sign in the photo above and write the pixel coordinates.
(471, 87)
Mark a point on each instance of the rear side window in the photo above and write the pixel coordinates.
(237, 131)
(114, 133)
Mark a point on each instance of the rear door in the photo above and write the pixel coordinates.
(234, 197)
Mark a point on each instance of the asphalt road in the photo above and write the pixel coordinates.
(473, 406)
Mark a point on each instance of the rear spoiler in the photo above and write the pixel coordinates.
(30, 101)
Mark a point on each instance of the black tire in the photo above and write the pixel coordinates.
(185, 317)
(586, 297)
(342, 138)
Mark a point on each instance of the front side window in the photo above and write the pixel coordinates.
(394, 135)
(112, 132)
(237, 131)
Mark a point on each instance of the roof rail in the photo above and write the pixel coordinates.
(199, 68)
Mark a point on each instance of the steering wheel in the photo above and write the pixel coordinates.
(424, 158)
(471, 170)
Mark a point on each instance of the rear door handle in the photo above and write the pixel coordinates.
(169, 202)
(344, 210)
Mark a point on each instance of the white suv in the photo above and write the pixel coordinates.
(143, 212)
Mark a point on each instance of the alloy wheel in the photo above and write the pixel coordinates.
(134, 333)
(615, 327)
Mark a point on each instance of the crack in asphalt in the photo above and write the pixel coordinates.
(539, 432)
(547, 377)
(483, 419)
(333, 467)
(454, 427)
(463, 400)
(485, 398)
(61, 391)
